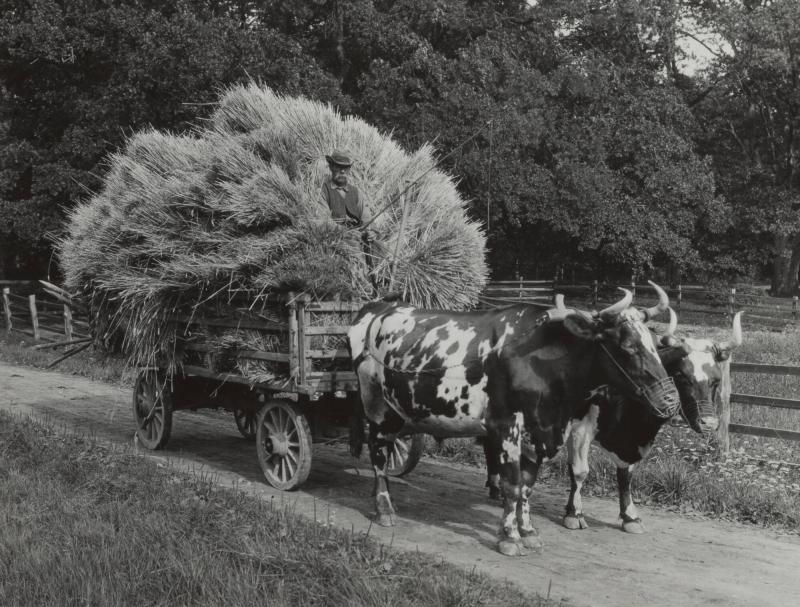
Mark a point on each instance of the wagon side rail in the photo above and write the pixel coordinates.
(205, 354)
(318, 320)
(310, 365)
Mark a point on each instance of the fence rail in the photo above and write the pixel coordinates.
(695, 302)
(34, 308)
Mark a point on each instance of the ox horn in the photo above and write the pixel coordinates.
(736, 337)
(673, 323)
(661, 306)
(669, 339)
(560, 312)
(617, 308)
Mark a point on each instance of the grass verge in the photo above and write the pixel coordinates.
(17, 348)
(87, 524)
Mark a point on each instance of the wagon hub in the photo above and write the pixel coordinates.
(280, 444)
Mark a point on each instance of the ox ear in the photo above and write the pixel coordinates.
(722, 355)
(581, 327)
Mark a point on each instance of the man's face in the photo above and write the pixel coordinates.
(339, 174)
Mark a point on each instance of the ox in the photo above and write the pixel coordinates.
(626, 430)
(515, 375)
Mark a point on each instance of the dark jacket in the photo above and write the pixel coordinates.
(345, 203)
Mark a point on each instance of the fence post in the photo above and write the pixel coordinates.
(678, 299)
(594, 293)
(520, 287)
(723, 436)
(732, 302)
(633, 286)
(7, 307)
(794, 307)
(67, 322)
(34, 317)
(555, 282)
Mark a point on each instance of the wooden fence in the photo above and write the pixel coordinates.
(694, 303)
(46, 313)
(506, 292)
(727, 427)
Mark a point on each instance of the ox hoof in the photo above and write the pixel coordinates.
(511, 548)
(634, 526)
(495, 494)
(385, 520)
(533, 541)
(575, 522)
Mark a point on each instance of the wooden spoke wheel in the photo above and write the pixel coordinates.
(283, 440)
(152, 409)
(246, 422)
(404, 454)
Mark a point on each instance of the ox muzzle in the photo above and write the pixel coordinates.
(702, 416)
(662, 397)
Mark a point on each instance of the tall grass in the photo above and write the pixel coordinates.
(85, 524)
(16, 348)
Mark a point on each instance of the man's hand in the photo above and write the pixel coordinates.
(368, 235)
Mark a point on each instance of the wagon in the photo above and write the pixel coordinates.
(295, 388)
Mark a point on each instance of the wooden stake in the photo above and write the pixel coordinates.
(723, 435)
(7, 308)
(34, 317)
(67, 322)
(400, 235)
(294, 361)
(58, 344)
(68, 354)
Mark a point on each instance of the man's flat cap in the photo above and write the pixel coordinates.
(339, 159)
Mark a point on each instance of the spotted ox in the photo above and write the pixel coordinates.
(626, 430)
(511, 374)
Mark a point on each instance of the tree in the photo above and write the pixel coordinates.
(80, 76)
(751, 114)
(589, 157)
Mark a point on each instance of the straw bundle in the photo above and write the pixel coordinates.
(185, 222)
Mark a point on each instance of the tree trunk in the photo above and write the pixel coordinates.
(786, 265)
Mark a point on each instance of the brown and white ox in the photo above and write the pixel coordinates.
(626, 430)
(514, 374)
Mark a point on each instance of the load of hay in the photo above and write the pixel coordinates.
(231, 215)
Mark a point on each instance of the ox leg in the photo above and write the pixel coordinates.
(506, 437)
(627, 510)
(492, 456)
(379, 456)
(528, 533)
(578, 461)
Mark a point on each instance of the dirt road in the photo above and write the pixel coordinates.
(444, 511)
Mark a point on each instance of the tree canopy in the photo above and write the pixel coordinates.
(568, 123)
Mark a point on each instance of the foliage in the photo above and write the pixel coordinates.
(80, 76)
(566, 122)
(751, 118)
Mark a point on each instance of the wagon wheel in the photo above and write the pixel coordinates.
(152, 409)
(246, 422)
(404, 454)
(284, 444)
